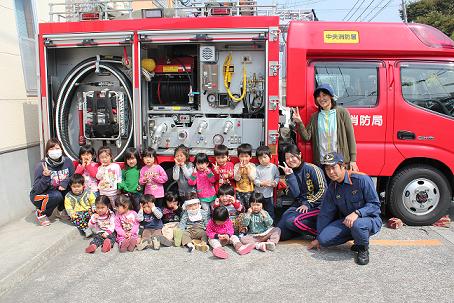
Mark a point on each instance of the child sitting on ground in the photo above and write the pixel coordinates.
(226, 198)
(102, 222)
(126, 224)
(79, 203)
(151, 224)
(191, 230)
(171, 215)
(220, 233)
(259, 224)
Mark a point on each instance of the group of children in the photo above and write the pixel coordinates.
(222, 203)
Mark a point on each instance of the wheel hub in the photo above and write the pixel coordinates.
(421, 196)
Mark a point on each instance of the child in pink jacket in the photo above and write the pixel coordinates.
(220, 233)
(204, 179)
(126, 224)
(153, 176)
(88, 168)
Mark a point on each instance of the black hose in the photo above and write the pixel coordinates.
(66, 94)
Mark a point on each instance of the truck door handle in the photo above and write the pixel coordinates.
(405, 135)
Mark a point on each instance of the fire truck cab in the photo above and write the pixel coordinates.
(397, 82)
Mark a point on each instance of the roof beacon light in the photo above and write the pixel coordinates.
(431, 36)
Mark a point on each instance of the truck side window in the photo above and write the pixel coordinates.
(355, 83)
(429, 85)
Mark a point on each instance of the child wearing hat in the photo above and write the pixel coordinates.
(192, 226)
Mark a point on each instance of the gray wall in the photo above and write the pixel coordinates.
(16, 177)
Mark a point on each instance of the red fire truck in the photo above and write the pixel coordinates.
(213, 77)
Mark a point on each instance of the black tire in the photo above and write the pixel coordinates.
(415, 178)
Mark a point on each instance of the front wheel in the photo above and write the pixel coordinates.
(419, 195)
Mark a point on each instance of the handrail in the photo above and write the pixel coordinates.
(114, 9)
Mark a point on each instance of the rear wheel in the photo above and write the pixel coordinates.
(419, 195)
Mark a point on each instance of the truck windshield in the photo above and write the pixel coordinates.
(429, 85)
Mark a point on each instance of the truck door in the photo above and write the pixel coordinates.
(361, 88)
(420, 191)
(424, 107)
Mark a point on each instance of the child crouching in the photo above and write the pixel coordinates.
(192, 226)
(150, 217)
(220, 233)
(126, 224)
(79, 203)
(102, 222)
(259, 224)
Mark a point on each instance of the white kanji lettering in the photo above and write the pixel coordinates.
(377, 120)
(354, 119)
(364, 120)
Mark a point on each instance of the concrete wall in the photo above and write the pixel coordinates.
(19, 136)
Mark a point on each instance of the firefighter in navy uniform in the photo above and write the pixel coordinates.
(350, 209)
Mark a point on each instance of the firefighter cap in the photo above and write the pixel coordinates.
(332, 159)
(324, 87)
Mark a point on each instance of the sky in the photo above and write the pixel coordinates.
(340, 10)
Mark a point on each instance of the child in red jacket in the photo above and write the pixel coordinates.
(222, 167)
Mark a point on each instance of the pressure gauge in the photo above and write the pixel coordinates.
(218, 139)
(211, 98)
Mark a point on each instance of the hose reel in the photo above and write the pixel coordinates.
(105, 111)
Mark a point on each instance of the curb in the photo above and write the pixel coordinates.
(33, 264)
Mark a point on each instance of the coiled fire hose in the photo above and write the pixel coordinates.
(68, 88)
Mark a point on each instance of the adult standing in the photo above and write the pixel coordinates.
(307, 185)
(330, 129)
(350, 210)
(51, 181)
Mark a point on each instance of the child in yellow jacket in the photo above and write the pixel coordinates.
(79, 203)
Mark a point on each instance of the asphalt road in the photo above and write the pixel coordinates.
(412, 264)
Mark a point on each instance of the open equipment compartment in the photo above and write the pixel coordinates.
(89, 82)
(205, 89)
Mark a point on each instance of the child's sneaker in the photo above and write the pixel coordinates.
(132, 244)
(106, 245)
(245, 249)
(156, 243)
(124, 245)
(164, 241)
(270, 246)
(220, 253)
(88, 232)
(177, 236)
(190, 247)
(42, 220)
(201, 246)
(260, 246)
(90, 249)
(143, 244)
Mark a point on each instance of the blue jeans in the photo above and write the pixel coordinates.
(337, 233)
